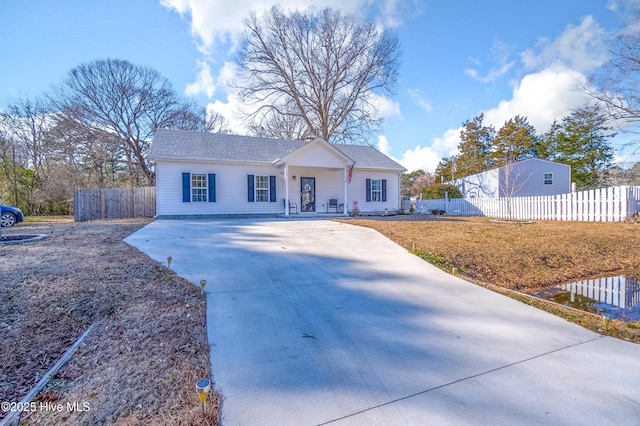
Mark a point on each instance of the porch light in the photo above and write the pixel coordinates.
(295, 178)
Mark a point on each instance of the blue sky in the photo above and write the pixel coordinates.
(460, 58)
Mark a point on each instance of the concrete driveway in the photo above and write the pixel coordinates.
(316, 322)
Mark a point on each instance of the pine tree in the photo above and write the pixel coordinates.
(581, 142)
(475, 144)
(515, 141)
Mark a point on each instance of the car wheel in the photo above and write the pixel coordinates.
(7, 219)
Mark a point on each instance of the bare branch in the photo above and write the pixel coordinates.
(320, 68)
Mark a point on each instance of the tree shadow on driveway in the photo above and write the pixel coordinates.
(315, 322)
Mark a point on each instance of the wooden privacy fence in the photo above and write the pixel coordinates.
(114, 203)
(598, 205)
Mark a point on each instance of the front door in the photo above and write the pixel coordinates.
(308, 191)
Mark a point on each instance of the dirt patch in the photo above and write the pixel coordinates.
(148, 346)
(509, 256)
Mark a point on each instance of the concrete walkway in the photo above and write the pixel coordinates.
(317, 322)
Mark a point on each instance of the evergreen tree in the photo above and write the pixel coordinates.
(437, 191)
(581, 142)
(515, 141)
(443, 170)
(546, 146)
(475, 144)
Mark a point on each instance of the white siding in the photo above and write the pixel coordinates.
(358, 190)
(314, 154)
(231, 189)
(480, 185)
(526, 178)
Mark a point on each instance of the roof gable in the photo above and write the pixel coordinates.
(314, 152)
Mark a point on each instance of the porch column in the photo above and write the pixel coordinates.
(286, 189)
(345, 174)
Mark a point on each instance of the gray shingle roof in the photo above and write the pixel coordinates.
(367, 156)
(188, 145)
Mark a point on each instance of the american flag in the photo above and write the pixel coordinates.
(350, 174)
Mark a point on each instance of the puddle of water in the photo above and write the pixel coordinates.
(617, 296)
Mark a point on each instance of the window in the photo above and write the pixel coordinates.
(376, 190)
(198, 187)
(262, 188)
(548, 178)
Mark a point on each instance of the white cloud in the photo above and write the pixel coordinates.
(420, 158)
(581, 48)
(221, 20)
(383, 145)
(427, 157)
(629, 8)
(542, 97)
(420, 100)
(204, 82)
(386, 107)
(207, 84)
(500, 54)
(228, 111)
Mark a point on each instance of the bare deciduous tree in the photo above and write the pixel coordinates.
(420, 183)
(215, 122)
(91, 156)
(285, 126)
(617, 81)
(25, 124)
(317, 71)
(127, 100)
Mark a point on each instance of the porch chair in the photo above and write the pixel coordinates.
(333, 204)
(292, 206)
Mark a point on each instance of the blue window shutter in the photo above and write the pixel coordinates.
(368, 190)
(186, 187)
(212, 187)
(251, 191)
(272, 189)
(384, 190)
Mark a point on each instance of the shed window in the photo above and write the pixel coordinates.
(548, 178)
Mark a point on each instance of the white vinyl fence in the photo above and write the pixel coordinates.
(597, 205)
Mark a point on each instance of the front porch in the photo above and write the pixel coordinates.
(314, 191)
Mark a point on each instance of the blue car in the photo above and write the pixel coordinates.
(9, 216)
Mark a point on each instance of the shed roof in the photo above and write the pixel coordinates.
(190, 145)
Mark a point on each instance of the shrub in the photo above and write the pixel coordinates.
(436, 192)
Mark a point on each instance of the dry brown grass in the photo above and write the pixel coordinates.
(518, 256)
(148, 347)
(521, 257)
